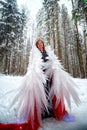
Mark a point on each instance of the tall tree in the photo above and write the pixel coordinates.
(80, 7)
(52, 24)
(12, 24)
(41, 28)
(78, 44)
(10, 28)
(65, 22)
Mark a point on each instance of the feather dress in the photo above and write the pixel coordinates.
(31, 99)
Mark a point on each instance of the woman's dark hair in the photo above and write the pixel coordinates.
(42, 42)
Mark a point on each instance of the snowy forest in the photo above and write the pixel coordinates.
(67, 35)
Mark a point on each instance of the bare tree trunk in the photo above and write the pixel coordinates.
(85, 43)
(6, 59)
(86, 65)
(58, 35)
(48, 28)
(9, 64)
(86, 54)
(53, 27)
(79, 52)
(5, 64)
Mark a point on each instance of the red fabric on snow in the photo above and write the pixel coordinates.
(23, 126)
(59, 111)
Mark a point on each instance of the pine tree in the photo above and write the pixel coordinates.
(51, 24)
(21, 47)
(78, 44)
(12, 23)
(65, 24)
(41, 28)
(81, 9)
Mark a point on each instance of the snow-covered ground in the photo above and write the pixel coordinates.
(11, 83)
(79, 112)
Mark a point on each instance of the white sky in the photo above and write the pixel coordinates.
(32, 5)
(35, 5)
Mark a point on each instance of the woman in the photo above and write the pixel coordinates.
(45, 57)
(44, 90)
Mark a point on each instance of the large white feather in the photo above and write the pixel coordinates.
(32, 88)
(63, 85)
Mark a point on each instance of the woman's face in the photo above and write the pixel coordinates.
(40, 45)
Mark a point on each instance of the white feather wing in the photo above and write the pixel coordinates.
(32, 88)
(63, 85)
